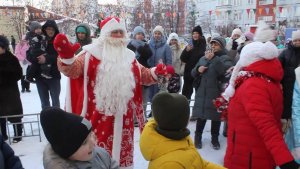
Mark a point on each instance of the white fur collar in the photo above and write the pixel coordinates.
(96, 50)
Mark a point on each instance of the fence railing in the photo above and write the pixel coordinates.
(30, 123)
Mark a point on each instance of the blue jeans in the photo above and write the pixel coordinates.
(46, 87)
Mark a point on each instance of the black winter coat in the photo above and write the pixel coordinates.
(10, 73)
(51, 54)
(290, 60)
(8, 160)
(145, 53)
(192, 57)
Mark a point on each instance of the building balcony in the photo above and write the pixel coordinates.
(224, 7)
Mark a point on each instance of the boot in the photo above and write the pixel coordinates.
(215, 142)
(225, 129)
(17, 132)
(198, 140)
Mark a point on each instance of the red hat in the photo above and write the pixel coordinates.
(170, 70)
(108, 19)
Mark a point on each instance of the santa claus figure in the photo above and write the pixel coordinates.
(111, 87)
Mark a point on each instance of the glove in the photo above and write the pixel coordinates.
(64, 48)
(161, 70)
(290, 165)
(234, 45)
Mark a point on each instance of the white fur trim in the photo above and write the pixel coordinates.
(117, 140)
(256, 51)
(110, 26)
(152, 70)
(85, 80)
(264, 33)
(297, 72)
(68, 61)
(68, 96)
(95, 49)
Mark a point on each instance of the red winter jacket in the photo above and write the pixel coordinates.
(255, 140)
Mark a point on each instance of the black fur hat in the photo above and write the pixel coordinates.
(198, 29)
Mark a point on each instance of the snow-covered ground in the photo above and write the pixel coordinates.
(30, 149)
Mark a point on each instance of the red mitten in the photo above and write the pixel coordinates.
(64, 48)
(161, 70)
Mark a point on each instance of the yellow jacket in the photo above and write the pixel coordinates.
(164, 153)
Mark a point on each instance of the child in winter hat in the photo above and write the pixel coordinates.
(138, 29)
(72, 142)
(165, 140)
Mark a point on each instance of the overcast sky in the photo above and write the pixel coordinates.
(9, 2)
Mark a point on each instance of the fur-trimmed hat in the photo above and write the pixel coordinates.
(34, 25)
(220, 40)
(158, 28)
(65, 131)
(4, 43)
(296, 35)
(110, 24)
(264, 33)
(171, 111)
(251, 53)
(198, 29)
(138, 29)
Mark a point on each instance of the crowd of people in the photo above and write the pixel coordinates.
(111, 77)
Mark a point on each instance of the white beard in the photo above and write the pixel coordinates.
(115, 80)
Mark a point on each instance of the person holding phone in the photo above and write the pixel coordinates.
(190, 56)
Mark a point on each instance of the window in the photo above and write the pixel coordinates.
(265, 2)
(284, 13)
(266, 18)
(251, 14)
(297, 12)
(236, 2)
(224, 2)
(250, 2)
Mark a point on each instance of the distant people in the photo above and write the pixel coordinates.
(13, 43)
(48, 86)
(254, 112)
(245, 39)
(165, 141)
(72, 143)
(178, 65)
(8, 159)
(20, 53)
(37, 47)
(141, 48)
(190, 56)
(161, 52)
(83, 35)
(211, 68)
(10, 101)
(290, 60)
